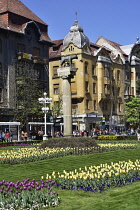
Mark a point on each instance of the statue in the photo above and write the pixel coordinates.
(67, 60)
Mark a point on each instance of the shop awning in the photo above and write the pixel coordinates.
(9, 123)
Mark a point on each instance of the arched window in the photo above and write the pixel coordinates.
(71, 48)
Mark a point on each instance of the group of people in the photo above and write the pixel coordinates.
(6, 136)
(32, 135)
(93, 132)
(80, 133)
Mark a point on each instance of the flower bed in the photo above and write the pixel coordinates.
(25, 155)
(116, 146)
(27, 194)
(98, 178)
(117, 137)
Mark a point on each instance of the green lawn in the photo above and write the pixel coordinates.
(126, 197)
(123, 198)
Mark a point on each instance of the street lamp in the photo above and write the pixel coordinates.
(45, 109)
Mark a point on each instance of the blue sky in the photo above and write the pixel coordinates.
(116, 20)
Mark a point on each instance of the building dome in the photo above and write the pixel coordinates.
(76, 36)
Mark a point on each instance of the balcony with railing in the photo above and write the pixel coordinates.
(35, 59)
(24, 56)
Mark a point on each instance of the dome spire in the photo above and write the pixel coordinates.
(76, 20)
(76, 13)
(76, 36)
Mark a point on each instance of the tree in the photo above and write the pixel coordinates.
(56, 109)
(28, 89)
(132, 111)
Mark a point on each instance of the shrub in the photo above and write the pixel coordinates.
(69, 142)
(132, 137)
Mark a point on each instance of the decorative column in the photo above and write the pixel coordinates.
(66, 73)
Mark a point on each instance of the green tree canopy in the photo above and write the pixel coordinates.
(133, 111)
(28, 89)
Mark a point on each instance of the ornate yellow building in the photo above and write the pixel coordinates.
(100, 83)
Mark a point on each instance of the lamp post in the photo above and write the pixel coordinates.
(45, 109)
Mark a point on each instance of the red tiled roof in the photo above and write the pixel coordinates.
(114, 43)
(2, 24)
(17, 7)
(58, 42)
(57, 53)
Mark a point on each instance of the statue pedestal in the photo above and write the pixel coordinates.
(65, 72)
